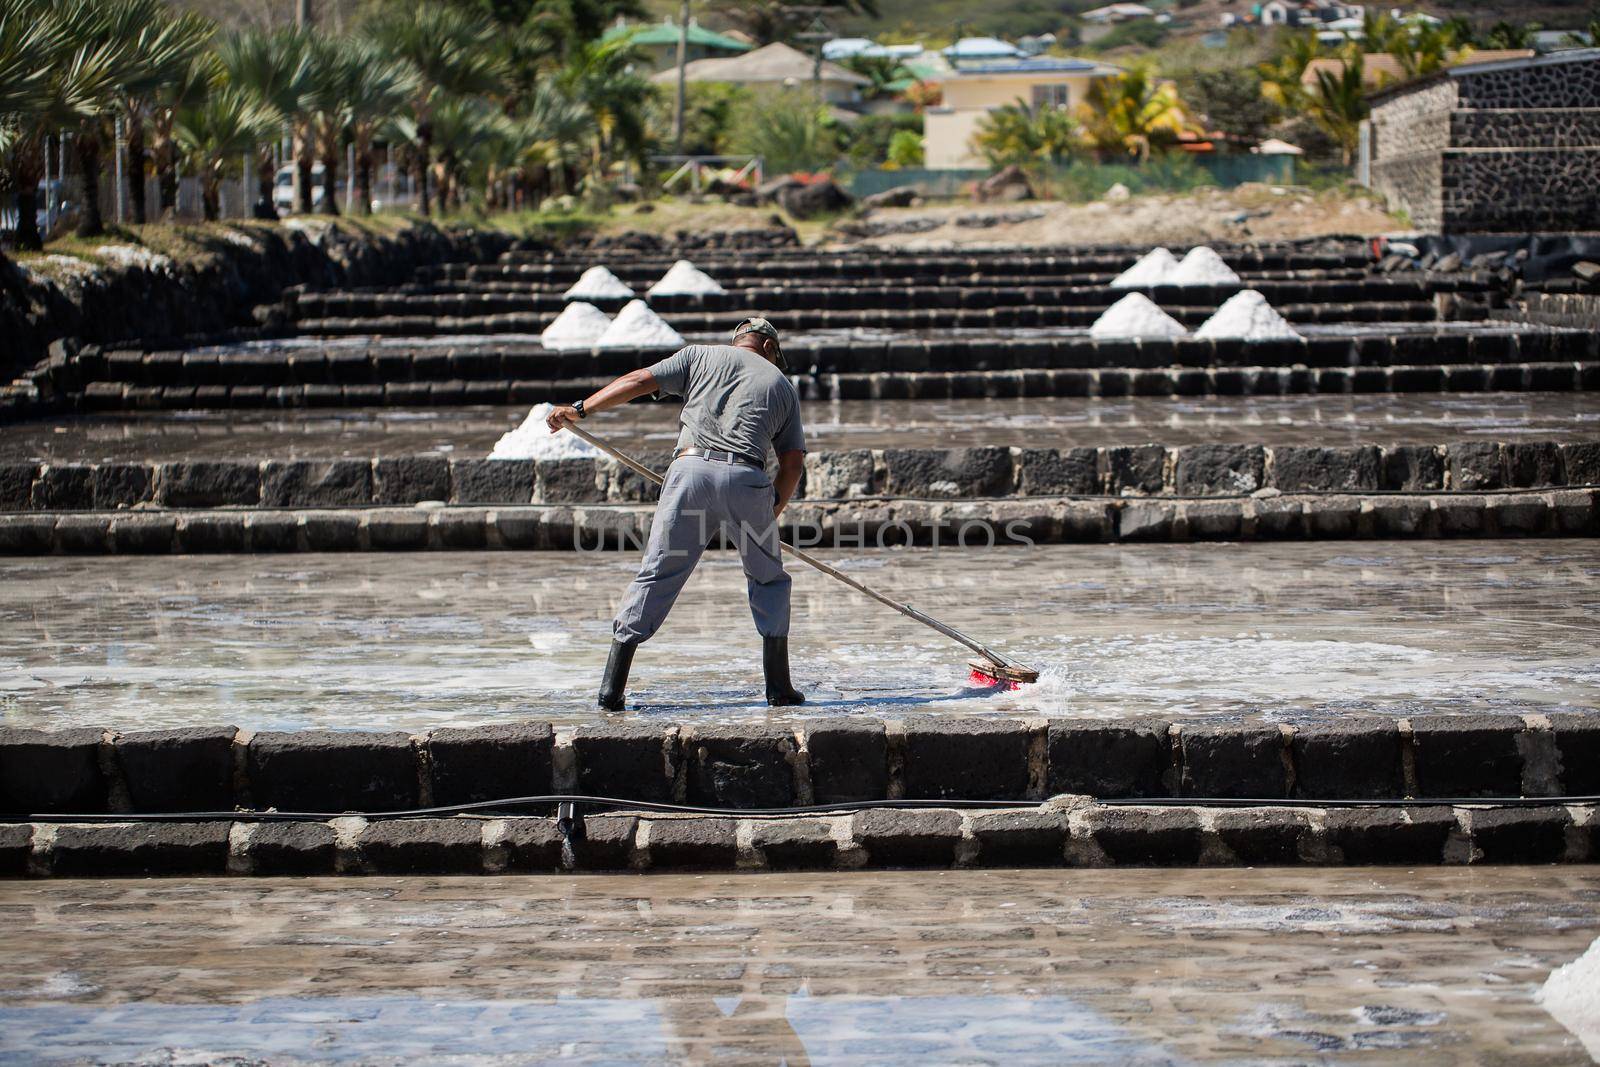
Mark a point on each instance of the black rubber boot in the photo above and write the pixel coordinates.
(775, 662)
(615, 682)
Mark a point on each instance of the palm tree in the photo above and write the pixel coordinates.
(1280, 77)
(549, 135)
(378, 89)
(448, 51)
(603, 78)
(1131, 113)
(333, 71)
(1337, 101)
(1017, 133)
(186, 90)
(32, 51)
(215, 132)
(274, 67)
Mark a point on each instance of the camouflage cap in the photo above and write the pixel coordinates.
(765, 329)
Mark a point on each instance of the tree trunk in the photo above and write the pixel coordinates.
(363, 204)
(138, 159)
(209, 199)
(330, 183)
(424, 159)
(265, 174)
(167, 179)
(302, 165)
(28, 237)
(90, 222)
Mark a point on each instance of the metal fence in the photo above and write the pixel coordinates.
(1086, 180)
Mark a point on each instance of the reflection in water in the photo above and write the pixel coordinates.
(1002, 967)
(1281, 632)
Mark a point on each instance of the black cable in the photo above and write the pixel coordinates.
(620, 804)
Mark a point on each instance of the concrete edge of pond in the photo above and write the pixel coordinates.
(869, 523)
(90, 771)
(1064, 832)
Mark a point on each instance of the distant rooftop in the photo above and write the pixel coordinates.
(981, 48)
(665, 32)
(1035, 65)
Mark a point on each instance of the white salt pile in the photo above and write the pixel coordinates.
(1572, 997)
(1247, 316)
(1151, 268)
(1202, 266)
(598, 283)
(533, 440)
(636, 326)
(579, 325)
(1136, 315)
(685, 279)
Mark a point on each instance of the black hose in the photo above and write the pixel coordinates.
(621, 804)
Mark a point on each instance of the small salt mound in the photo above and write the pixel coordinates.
(533, 440)
(579, 325)
(1202, 266)
(1247, 316)
(685, 279)
(636, 326)
(1151, 268)
(1136, 315)
(1572, 996)
(598, 283)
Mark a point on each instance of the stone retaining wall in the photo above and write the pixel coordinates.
(846, 524)
(823, 761)
(1067, 832)
(898, 473)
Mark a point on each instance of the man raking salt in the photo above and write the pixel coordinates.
(737, 404)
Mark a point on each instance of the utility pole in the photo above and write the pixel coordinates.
(683, 61)
(816, 34)
(302, 13)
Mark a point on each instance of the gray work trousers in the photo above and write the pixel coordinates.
(701, 497)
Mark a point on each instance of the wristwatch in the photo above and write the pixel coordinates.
(578, 407)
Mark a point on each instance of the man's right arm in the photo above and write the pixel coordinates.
(630, 386)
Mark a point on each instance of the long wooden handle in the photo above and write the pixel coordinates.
(804, 557)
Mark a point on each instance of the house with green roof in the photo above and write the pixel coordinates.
(659, 40)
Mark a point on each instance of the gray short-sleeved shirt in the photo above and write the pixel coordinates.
(733, 400)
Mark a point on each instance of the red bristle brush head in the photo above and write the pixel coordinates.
(1004, 679)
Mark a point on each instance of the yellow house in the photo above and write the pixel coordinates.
(973, 90)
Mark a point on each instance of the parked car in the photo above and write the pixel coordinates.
(283, 187)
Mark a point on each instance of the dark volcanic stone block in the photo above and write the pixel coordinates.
(397, 531)
(292, 848)
(134, 849)
(478, 763)
(1467, 755)
(849, 760)
(1221, 469)
(1475, 465)
(50, 771)
(270, 532)
(1101, 758)
(1354, 760)
(122, 485)
(1060, 471)
(16, 845)
(841, 474)
(740, 767)
(1232, 761)
(632, 761)
(1298, 469)
(460, 529)
(332, 771)
(531, 845)
(409, 479)
(1519, 835)
(796, 844)
(63, 485)
(1134, 468)
(312, 483)
(16, 485)
(698, 843)
(1030, 838)
(423, 846)
(492, 481)
(965, 759)
(331, 532)
(178, 770)
(1412, 467)
(1533, 463)
(568, 481)
(83, 533)
(1149, 837)
(27, 535)
(1581, 459)
(606, 844)
(208, 484)
(1400, 516)
(920, 837)
(1262, 836)
(955, 472)
(1389, 835)
(1577, 737)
